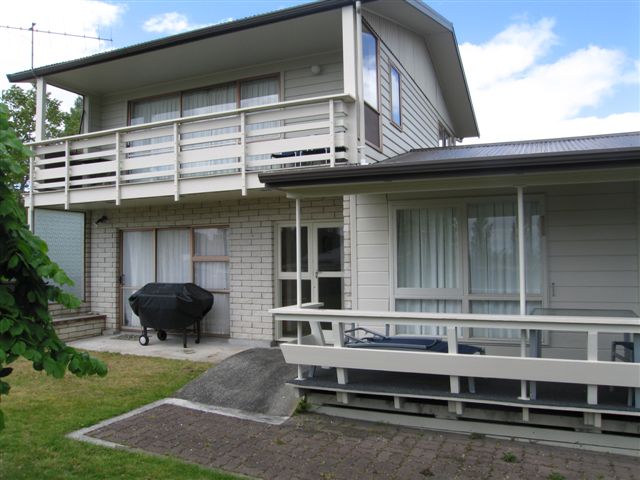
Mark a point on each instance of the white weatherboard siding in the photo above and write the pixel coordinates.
(591, 253)
(295, 75)
(421, 102)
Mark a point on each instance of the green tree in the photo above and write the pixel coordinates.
(28, 281)
(22, 113)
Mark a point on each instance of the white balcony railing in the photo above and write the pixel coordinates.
(298, 133)
(312, 350)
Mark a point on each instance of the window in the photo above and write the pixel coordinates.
(462, 256)
(217, 98)
(370, 86)
(154, 110)
(396, 103)
(179, 255)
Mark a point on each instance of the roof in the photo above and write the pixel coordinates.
(181, 38)
(596, 151)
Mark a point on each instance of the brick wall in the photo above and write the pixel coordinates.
(251, 224)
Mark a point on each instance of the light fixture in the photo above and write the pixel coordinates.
(315, 69)
(102, 219)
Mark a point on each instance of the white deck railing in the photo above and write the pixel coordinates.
(236, 142)
(312, 350)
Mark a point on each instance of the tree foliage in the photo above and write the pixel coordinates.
(22, 113)
(28, 281)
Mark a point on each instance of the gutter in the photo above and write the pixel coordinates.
(385, 172)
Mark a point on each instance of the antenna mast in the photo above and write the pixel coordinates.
(33, 30)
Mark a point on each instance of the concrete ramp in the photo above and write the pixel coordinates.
(251, 381)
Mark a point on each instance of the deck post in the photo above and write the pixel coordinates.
(454, 380)
(298, 267)
(594, 419)
(522, 287)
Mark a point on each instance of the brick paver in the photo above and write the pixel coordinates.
(313, 446)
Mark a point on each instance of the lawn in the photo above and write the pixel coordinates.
(40, 410)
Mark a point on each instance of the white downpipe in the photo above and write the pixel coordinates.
(360, 86)
(522, 284)
(299, 277)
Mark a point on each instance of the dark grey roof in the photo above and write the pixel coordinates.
(597, 151)
(526, 147)
(181, 38)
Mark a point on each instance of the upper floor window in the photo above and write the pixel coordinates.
(218, 98)
(370, 68)
(370, 87)
(396, 103)
(154, 109)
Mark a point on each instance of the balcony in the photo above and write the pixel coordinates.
(218, 152)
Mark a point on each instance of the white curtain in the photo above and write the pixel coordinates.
(493, 247)
(499, 307)
(155, 110)
(137, 268)
(427, 243)
(258, 92)
(174, 256)
(429, 306)
(210, 241)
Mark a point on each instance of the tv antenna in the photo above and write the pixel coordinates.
(33, 30)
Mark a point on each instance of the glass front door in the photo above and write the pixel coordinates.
(322, 268)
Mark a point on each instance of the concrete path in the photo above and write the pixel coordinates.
(210, 349)
(312, 446)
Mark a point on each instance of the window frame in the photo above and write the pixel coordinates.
(368, 29)
(462, 293)
(277, 76)
(193, 258)
(392, 69)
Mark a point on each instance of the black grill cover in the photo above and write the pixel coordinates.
(168, 306)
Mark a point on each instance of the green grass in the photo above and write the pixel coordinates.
(40, 411)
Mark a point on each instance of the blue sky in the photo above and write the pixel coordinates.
(535, 68)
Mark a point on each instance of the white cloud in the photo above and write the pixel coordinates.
(171, 22)
(83, 17)
(517, 95)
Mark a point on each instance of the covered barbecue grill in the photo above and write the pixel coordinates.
(170, 306)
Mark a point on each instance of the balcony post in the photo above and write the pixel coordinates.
(118, 161)
(454, 380)
(176, 147)
(31, 186)
(332, 134)
(243, 154)
(67, 167)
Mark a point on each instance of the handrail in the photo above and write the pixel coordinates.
(530, 322)
(195, 118)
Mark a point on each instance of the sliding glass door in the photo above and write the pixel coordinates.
(462, 256)
(178, 255)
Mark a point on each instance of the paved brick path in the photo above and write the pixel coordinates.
(319, 447)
